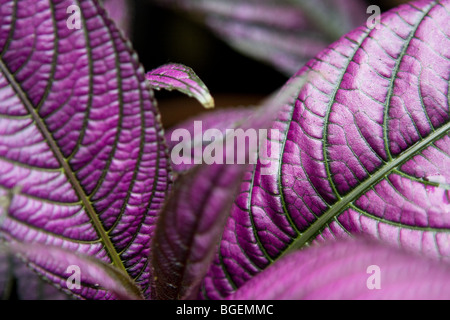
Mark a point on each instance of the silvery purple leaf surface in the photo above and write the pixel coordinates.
(80, 138)
(174, 76)
(349, 270)
(283, 33)
(365, 148)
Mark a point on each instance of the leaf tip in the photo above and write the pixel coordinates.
(208, 102)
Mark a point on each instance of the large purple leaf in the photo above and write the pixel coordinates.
(283, 33)
(364, 149)
(193, 218)
(349, 270)
(80, 137)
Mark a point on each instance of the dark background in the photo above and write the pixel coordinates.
(161, 36)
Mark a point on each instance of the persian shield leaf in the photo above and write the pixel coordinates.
(174, 76)
(80, 137)
(283, 33)
(193, 218)
(78, 275)
(349, 270)
(190, 227)
(17, 279)
(364, 149)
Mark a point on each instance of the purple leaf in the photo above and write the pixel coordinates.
(28, 285)
(364, 149)
(190, 227)
(283, 33)
(80, 137)
(192, 221)
(349, 270)
(31, 287)
(96, 278)
(175, 76)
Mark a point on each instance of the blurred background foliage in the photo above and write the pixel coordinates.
(160, 36)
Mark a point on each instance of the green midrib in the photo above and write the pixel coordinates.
(97, 224)
(353, 195)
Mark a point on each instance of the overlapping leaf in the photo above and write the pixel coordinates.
(17, 280)
(349, 270)
(364, 149)
(76, 274)
(284, 33)
(192, 221)
(80, 137)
